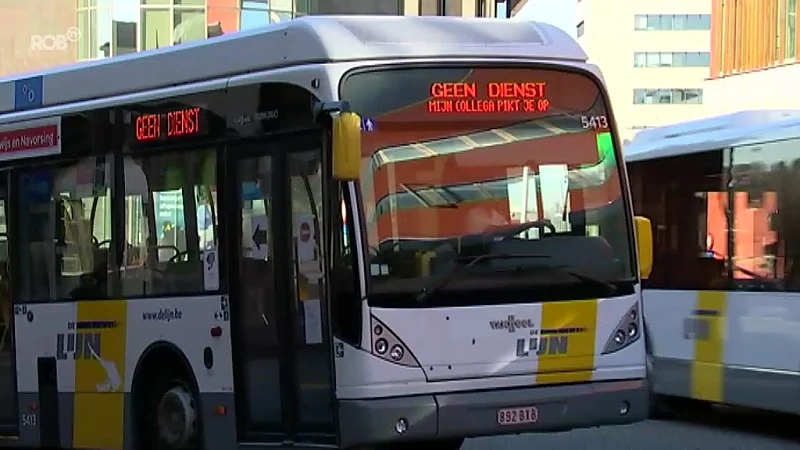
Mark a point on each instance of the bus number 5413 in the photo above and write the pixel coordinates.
(29, 420)
(594, 122)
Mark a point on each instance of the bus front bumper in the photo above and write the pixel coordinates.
(474, 413)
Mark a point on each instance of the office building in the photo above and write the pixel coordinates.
(654, 55)
(754, 55)
(47, 33)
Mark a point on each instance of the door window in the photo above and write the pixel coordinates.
(259, 312)
(312, 363)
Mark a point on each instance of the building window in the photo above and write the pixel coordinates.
(444, 8)
(452, 8)
(580, 29)
(678, 22)
(96, 31)
(501, 9)
(440, 8)
(188, 25)
(256, 13)
(429, 7)
(790, 48)
(671, 59)
(667, 96)
(156, 28)
(480, 8)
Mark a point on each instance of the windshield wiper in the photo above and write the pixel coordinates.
(459, 270)
(612, 288)
(441, 282)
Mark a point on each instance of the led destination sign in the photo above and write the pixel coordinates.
(493, 97)
(174, 124)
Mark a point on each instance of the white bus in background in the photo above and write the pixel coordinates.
(722, 306)
(456, 301)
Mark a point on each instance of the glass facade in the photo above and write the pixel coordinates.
(671, 59)
(116, 27)
(667, 96)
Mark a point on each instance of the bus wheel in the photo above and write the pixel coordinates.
(171, 415)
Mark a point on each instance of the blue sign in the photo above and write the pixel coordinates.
(37, 186)
(367, 125)
(251, 191)
(28, 93)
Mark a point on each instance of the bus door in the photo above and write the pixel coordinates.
(285, 344)
(8, 391)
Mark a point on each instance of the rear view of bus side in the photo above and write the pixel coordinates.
(721, 306)
(335, 231)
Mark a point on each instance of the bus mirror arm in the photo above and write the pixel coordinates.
(323, 109)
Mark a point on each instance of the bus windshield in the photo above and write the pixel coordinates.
(478, 177)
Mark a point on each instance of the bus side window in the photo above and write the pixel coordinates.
(170, 220)
(64, 225)
(346, 301)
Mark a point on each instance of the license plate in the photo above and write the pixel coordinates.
(517, 416)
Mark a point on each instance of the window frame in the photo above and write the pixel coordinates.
(656, 200)
(641, 96)
(58, 166)
(216, 151)
(657, 22)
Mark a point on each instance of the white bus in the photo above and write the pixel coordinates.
(336, 231)
(720, 307)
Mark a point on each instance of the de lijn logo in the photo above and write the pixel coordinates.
(55, 42)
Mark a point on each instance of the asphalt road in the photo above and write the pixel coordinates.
(720, 429)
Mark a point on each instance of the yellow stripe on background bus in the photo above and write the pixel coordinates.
(707, 365)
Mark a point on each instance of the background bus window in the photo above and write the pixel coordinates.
(65, 231)
(765, 182)
(686, 199)
(170, 220)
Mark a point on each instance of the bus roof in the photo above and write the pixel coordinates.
(729, 130)
(311, 39)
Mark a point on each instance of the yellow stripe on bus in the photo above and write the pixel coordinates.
(98, 416)
(707, 365)
(578, 320)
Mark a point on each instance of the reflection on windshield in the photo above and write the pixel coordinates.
(439, 193)
(513, 189)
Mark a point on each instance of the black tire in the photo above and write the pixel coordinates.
(166, 390)
(661, 407)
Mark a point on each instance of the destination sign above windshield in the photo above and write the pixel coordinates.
(493, 97)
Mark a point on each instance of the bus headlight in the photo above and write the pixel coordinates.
(626, 331)
(397, 353)
(387, 346)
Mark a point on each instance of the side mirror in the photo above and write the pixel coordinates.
(346, 146)
(644, 244)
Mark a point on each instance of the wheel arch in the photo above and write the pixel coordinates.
(166, 347)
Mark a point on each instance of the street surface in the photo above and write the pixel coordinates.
(693, 429)
(723, 429)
